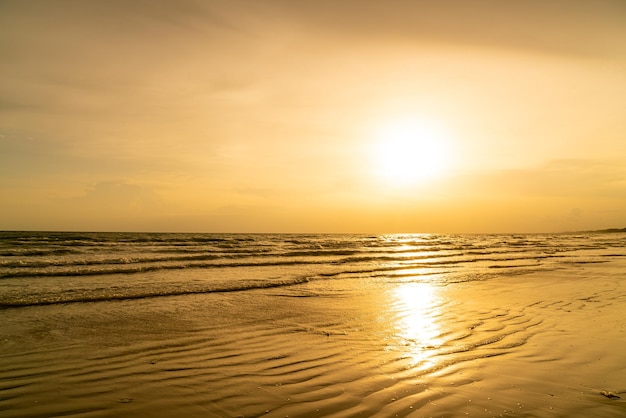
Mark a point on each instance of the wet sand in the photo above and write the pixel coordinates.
(546, 344)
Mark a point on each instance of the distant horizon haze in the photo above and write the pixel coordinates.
(301, 233)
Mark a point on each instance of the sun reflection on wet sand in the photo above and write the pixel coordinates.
(418, 330)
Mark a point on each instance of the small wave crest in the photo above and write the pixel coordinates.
(117, 294)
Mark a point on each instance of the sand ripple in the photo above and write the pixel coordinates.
(525, 346)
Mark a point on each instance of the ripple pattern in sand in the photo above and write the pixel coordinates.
(391, 349)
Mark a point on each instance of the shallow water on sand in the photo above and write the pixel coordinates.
(537, 343)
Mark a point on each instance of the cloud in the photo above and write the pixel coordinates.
(557, 27)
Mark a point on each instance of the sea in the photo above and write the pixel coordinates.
(103, 324)
(43, 268)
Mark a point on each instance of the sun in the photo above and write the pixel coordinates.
(406, 151)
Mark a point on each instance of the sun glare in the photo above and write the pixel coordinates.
(417, 323)
(408, 151)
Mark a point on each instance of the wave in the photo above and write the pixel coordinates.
(135, 261)
(126, 266)
(45, 268)
(38, 252)
(223, 288)
(136, 269)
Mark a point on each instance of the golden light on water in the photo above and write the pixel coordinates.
(417, 326)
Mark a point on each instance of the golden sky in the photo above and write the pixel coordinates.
(313, 116)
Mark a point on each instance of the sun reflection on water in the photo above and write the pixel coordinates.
(417, 325)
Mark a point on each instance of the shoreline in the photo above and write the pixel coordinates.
(538, 344)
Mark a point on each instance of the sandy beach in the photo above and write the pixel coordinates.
(544, 344)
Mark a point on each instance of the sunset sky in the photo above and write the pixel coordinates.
(313, 116)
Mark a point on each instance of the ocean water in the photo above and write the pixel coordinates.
(40, 268)
(275, 325)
